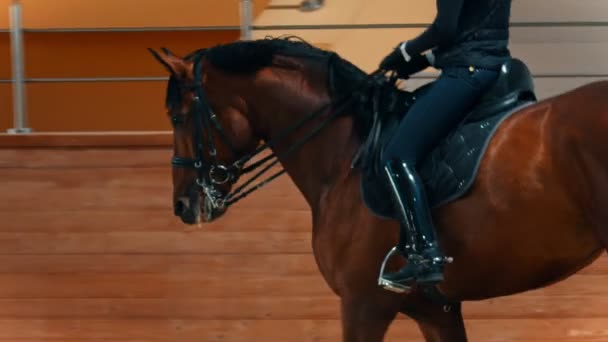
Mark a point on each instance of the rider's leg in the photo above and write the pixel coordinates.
(429, 120)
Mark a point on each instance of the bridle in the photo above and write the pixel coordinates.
(210, 173)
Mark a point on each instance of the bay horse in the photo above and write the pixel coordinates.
(534, 213)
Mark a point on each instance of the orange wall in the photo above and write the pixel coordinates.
(110, 54)
(128, 13)
(4, 13)
(99, 106)
(5, 88)
(5, 56)
(6, 116)
(107, 105)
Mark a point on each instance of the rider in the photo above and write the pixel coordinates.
(468, 42)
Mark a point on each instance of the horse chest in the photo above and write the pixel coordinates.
(332, 251)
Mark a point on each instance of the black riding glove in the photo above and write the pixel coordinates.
(415, 65)
(396, 61)
(393, 60)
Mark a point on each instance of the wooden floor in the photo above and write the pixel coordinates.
(90, 252)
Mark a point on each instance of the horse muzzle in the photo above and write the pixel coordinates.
(193, 211)
(188, 210)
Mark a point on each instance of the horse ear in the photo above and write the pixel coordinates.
(167, 51)
(168, 60)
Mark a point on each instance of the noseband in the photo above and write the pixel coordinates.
(211, 173)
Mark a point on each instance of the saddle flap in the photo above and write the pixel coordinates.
(450, 169)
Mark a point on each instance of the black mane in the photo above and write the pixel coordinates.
(246, 57)
(250, 56)
(253, 55)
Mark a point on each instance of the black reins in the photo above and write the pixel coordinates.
(210, 173)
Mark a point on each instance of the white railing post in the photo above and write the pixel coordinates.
(246, 19)
(16, 32)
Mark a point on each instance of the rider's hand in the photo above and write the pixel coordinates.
(393, 60)
(415, 65)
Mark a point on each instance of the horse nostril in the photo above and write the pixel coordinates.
(179, 207)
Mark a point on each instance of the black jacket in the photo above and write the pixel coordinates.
(467, 33)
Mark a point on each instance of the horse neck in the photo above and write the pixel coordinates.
(323, 160)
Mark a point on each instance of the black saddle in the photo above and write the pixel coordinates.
(449, 170)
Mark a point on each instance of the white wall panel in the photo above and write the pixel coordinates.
(575, 50)
(423, 11)
(366, 47)
(559, 10)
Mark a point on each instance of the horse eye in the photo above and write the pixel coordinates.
(176, 119)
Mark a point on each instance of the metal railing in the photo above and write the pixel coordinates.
(16, 32)
(19, 80)
(247, 27)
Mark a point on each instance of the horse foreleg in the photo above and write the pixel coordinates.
(366, 320)
(439, 323)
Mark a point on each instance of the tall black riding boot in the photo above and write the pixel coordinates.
(425, 260)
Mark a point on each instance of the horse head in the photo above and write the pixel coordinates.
(231, 102)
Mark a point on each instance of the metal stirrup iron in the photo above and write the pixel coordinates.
(389, 285)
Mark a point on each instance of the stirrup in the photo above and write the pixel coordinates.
(387, 284)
